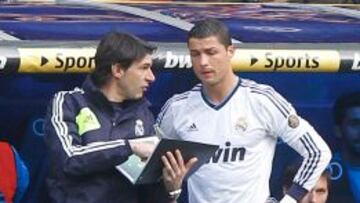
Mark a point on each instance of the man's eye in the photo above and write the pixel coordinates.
(212, 52)
(145, 67)
(194, 54)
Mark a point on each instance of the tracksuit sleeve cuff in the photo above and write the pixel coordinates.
(128, 151)
(122, 153)
(297, 192)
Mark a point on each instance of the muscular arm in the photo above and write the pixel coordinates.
(282, 121)
(316, 156)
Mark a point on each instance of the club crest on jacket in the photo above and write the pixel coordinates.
(139, 128)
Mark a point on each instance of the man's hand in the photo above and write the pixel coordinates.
(175, 170)
(142, 150)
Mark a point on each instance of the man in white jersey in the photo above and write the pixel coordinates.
(243, 117)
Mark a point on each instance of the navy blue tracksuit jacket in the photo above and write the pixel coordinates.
(86, 136)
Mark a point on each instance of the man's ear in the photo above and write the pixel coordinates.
(117, 70)
(231, 50)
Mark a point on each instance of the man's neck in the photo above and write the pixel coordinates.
(110, 92)
(218, 92)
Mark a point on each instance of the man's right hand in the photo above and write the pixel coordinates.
(142, 150)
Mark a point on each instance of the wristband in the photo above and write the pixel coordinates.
(175, 194)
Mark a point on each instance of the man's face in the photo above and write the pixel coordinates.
(350, 129)
(137, 78)
(211, 60)
(319, 193)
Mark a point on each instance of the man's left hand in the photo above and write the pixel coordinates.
(175, 169)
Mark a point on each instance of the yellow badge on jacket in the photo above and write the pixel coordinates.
(86, 121)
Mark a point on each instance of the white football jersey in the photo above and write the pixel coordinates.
(246, 126)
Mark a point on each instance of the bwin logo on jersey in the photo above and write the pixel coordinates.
(139, 128)
(241, 125)
(228, 154)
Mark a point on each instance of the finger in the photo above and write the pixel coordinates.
(168, 166)
(173, 162)
(191, 163)
(180, 159)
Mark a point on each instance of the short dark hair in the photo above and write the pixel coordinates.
(343, 103)
(116, 47)
(211, 27)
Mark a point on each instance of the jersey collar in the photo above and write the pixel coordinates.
(227, 98)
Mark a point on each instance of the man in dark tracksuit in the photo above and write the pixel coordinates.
(88, 130)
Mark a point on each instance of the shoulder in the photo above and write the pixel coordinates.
(266, 97)
(68, 97)
(178, 101)
(76, 92)
(183, 98)
(258, 92)
(255, 87)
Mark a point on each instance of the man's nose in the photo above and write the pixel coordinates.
(204, 60)
(313, 198)
(150, 77)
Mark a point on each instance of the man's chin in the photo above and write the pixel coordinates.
(139, 96)
(208, 81)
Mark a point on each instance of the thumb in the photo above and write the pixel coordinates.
(191, 163)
